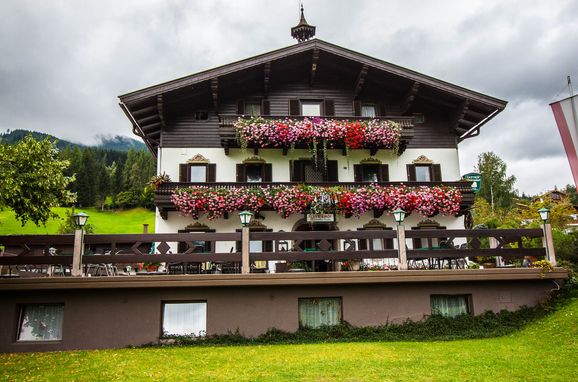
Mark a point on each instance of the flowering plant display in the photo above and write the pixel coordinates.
(156, 180)
(289, 199)
(288, 132)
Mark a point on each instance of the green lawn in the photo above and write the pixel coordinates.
(546, 350)
(127, 221)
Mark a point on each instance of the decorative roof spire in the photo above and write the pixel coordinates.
(303, 31)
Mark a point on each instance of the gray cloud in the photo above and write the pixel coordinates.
(64, 63)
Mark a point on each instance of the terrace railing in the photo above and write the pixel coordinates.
(52, 250)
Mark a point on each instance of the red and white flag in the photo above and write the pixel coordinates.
(565, 115)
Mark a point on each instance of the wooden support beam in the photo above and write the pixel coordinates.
(461, 113)
(475, 114)
(360, 80)
(314, 63)
(409, 97)
(144, 111)
(467, 123)
(145, 120)
(215, 93)
(151, 126)
(161, 110)
(266, 77)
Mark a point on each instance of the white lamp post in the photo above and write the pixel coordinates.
(544, 215)
(245, 217)
(399, 216)
(80, 221)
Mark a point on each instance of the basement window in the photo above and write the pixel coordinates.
(450, 305)
(318, 312)
(185, 318)
(40, 322)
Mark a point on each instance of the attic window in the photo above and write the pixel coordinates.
(201, 115)
(368, 111)
(418, 118)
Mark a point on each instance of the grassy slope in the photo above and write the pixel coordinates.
(545, 350)
(128, 221)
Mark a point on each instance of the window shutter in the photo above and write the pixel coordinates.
(240, 107)
(294, 107)
(416, 243)
(267, 172)
(358, 173)
(268, 244)
(362, 243)
(332, 170)
(329, 106)
(357, 108)
(437, 173)
(211, 172)
(383, 173)
(382, 109)
(411, 173)
(295, 166)
(266, 107)
(388, 244)
(183, 172)
(240, 173)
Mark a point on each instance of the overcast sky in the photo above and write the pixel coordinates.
(63, 63)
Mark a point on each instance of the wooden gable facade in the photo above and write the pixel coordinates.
(192, 111)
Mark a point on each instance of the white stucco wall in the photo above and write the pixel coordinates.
(170, 158)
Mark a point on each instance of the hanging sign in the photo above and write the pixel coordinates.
(320, 218)
(476, 180)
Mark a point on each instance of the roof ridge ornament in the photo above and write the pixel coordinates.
(302, 31)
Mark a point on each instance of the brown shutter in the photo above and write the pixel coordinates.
(416, 243)
(266, 107)
(358, 172)
(332, 171)
(362, 244)
(357, 108)
(183, 172)
(240, 107)
(411, 173)
(383, 173)
(437, 173)
(382, 109)
(267, 172)
(241, 173)
(294, 107)
(329, 106)
(268, 244)
(296, 168)
(211, 172)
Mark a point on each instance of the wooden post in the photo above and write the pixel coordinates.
(77, 253)
(245, 264)
(493, 245)
(548, 242)
(145, 228)
(401, 247)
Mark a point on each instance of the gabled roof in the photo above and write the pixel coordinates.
(303, 47)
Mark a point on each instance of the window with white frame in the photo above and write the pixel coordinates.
(185, 318)
(450, 305)
(311, 108)
(198, 173)
(40, 322)
(422, 173)
(319, 312)
(368, 111)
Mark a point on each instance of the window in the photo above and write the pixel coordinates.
(311, 108)
(185, 318)
(304, 170)
(318, 312)
(252, 108)
(197, 245)
(201, 115)
(371, 172)
(432, 242)
(40, 322)
(368, 111)
(197, 172)
(422, 173)
(254, 172)
(255, 246)
(378, 244)
(450, 305)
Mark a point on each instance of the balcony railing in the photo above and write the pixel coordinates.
(34, 255)
(229, 138)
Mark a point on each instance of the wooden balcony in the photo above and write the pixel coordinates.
(229, 138)
(35, 255)
(164, 191)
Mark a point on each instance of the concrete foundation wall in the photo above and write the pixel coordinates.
(109, 318)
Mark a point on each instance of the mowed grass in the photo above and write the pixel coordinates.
(546, 350)
(125, 221)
